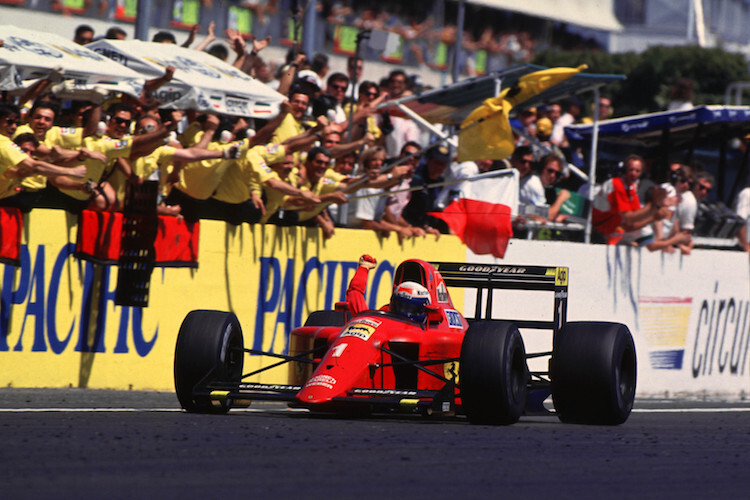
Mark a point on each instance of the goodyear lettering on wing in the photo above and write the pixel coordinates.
(359, 330)
(476, 268)
(454, 318)
(322, 380)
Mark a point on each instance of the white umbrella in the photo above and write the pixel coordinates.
(201, 81)
(27, 55)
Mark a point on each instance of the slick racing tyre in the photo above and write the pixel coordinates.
(493, 373)
(593, 373)
(209, 349)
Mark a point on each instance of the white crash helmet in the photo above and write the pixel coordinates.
(409, 300)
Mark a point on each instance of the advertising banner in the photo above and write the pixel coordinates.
(271, 277)
(29, 55)
(201, 81)
(60, 327)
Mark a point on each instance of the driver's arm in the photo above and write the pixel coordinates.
(355, 294)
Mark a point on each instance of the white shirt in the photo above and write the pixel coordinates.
(404, 130)
(743, 208)
(687, 210)
(371, 209)
(668, 223)
(531, 191)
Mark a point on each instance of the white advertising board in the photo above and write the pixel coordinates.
(689, 315)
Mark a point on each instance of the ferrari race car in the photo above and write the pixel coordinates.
(377, 361)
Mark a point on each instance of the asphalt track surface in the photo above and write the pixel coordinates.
(79, 443)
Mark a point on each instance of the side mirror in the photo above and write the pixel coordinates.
(341, 306)
(434, 314)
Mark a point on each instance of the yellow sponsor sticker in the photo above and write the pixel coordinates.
(359, 330)
(450, 370)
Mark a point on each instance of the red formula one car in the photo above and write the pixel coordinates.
(377, 361)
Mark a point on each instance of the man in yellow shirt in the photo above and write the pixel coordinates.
(96, 193)
(15, 164)
(332, 187)
(160, 165)
(56, 144)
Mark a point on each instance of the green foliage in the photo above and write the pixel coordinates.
(652, 73)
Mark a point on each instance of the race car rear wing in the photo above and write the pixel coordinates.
(487, 277)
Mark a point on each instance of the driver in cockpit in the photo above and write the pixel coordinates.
(409, 298)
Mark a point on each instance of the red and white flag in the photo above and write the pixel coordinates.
(483, 227)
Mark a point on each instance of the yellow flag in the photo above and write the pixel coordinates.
(486, 133)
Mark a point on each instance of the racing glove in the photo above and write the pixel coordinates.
(368, 261)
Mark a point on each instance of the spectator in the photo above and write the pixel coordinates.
(370, 211)
(345, 164)
(219, 50)
(27, 142)
(403, 129)
(332, 142)
(333, 98)
(410, 156)
(97, 193)
(354, 69)
(668, 232)
(84, 34)
(16, 164)
(164, 37)
(425, 199)
(603, 110)
(115, 33)
(742, 207)
(617, 212)
(681, 95)
(530, 189)
(365, 119)
(319, 66)
(524, 126)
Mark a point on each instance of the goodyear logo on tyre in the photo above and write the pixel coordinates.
(359, 330)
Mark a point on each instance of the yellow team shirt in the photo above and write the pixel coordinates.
(276, 199)
(371, 122)
(10, 156)
(329, 183)
(65, 137)
(289, 127)
(200, 179)
(160, 159)
(192, 135)
(249, 173)
(95, 169)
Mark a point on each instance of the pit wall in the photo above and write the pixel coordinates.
(59, 326)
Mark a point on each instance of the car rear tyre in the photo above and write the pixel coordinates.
(593, 373)
(326, 318)
(209, 349)
(493, 373)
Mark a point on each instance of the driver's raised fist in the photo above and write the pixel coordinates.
(368, 261)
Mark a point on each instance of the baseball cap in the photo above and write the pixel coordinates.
(441, 153)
